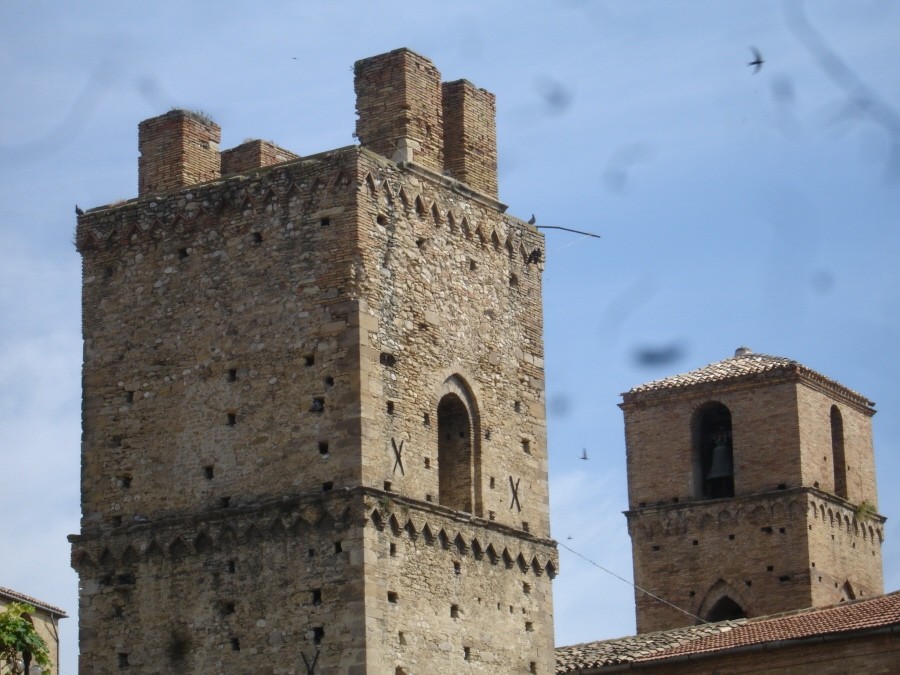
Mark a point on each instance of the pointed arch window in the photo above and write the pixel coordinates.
(458, 465)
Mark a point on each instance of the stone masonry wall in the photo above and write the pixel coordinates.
(198, 388)
(449, 295)
(254, 589)
(447, 596)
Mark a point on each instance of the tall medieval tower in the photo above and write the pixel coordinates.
(751, 491)
(313, 407)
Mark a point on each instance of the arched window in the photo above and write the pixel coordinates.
(713, 455)
(837, 453)
(458, 465)
(725, 609)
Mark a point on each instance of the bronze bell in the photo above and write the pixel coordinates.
(721, 466)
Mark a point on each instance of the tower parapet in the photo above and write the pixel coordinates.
(177, 149)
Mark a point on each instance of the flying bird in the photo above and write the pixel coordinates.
(584, 453)
(532, 220)
(78, 211)
(757, 60)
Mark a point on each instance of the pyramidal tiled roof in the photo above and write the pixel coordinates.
(744, 363)
(846, 617)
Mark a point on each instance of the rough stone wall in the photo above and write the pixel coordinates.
(220, 344)
(253, 155)
(470, 135)
(177, 149)
(447, 594)
(398, 100)
(766, 548)
(253, 589)
(450, 297)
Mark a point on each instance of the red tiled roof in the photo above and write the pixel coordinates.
(574, 658)
(15, 596)
(743, 364)
(846, 617)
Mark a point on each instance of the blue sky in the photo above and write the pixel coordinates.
(735, 209)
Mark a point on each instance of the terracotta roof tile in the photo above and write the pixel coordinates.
(843, 618)
(744, 364)
(632, 648)
(15, 596)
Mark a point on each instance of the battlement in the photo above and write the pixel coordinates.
(405, 114)
(254, 154)
(177, 149)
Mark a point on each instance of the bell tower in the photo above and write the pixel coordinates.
(751, 489)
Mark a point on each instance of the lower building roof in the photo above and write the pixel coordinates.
(844, 618)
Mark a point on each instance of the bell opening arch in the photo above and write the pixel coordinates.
(713, 457)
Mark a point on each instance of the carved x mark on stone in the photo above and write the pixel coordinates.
(515, 493)
(310, 667)
(398, 456)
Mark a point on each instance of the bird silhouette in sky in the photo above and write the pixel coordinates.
(78, 211)
(584, 453)
(532, 220)
(757, 61)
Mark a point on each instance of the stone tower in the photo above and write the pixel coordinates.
(751, 491)
(313, 407)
